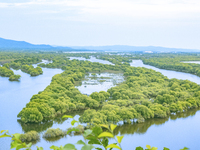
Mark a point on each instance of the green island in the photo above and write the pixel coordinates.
(145, 94)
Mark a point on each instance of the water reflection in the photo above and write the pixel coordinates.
(194, 62)
(93, 59)
(125, 129)
(53, 139)
(39, 127)
(49, 123)
(141, 128)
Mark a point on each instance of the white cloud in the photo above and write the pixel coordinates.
(94, 10)
(109, 10)
(106, 21)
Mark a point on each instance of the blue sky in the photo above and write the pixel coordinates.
(168, 23)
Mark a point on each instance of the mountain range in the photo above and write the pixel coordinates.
(126, 48)
(6, 44)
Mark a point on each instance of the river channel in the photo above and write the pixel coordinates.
(173, 132)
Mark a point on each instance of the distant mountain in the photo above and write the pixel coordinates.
(126, 48)
(6, 44)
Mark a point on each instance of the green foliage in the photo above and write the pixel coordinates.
(29, 136)
(174, 62)
(31, 70)
(5, 72)
(14, 77)
(54, 133)
(30, 115)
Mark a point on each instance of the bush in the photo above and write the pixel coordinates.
(50, 133)
(14, 77)
(29, 136)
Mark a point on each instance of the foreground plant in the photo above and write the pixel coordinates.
(98, 135)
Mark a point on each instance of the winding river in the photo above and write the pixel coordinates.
(173, 132)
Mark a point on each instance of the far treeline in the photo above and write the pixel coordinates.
(174, 62)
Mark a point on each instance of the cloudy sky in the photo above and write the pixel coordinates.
(168, 23)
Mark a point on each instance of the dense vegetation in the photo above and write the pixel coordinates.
(29, 136)
(18, 61)
(174, 62)
(14, 77)
(5, 72)
(61, 96)
(54, 133)
(145, 94)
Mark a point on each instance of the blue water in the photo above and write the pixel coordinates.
(169, 73)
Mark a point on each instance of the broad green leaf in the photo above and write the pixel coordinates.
(105, 126)
(61, 148)
(2, 131)
(5, 131)
(67, 116)
(148, 146)
(93, 140)
(80, 142)
(99, 148)
(119, 139)
(154, 148)
(87, 147)
(54, 147)
(87, 132)
(96, 130)
(73, 129)
(14, 144)
(165, 148)
(113, 146)
(112, 127)
(105, 142)
(69, 147)
(29, 145)
(106, 134)
(39, 148)
(73, 122)
(139, 148)
(4, 135)
(20, 146)
(16, 135)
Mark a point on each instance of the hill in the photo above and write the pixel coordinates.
(126, 48)
(6, 44)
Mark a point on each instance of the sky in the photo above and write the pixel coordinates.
(167, 23)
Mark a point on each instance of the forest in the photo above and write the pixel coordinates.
(145, 94)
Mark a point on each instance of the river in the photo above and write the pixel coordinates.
(173, 132)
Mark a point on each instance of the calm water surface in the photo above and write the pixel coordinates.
(174, 132)
(100, 82)
(194, 62)
(93, 59)
(170, 74)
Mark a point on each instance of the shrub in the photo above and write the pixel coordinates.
(50, 133)
(29, 136)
